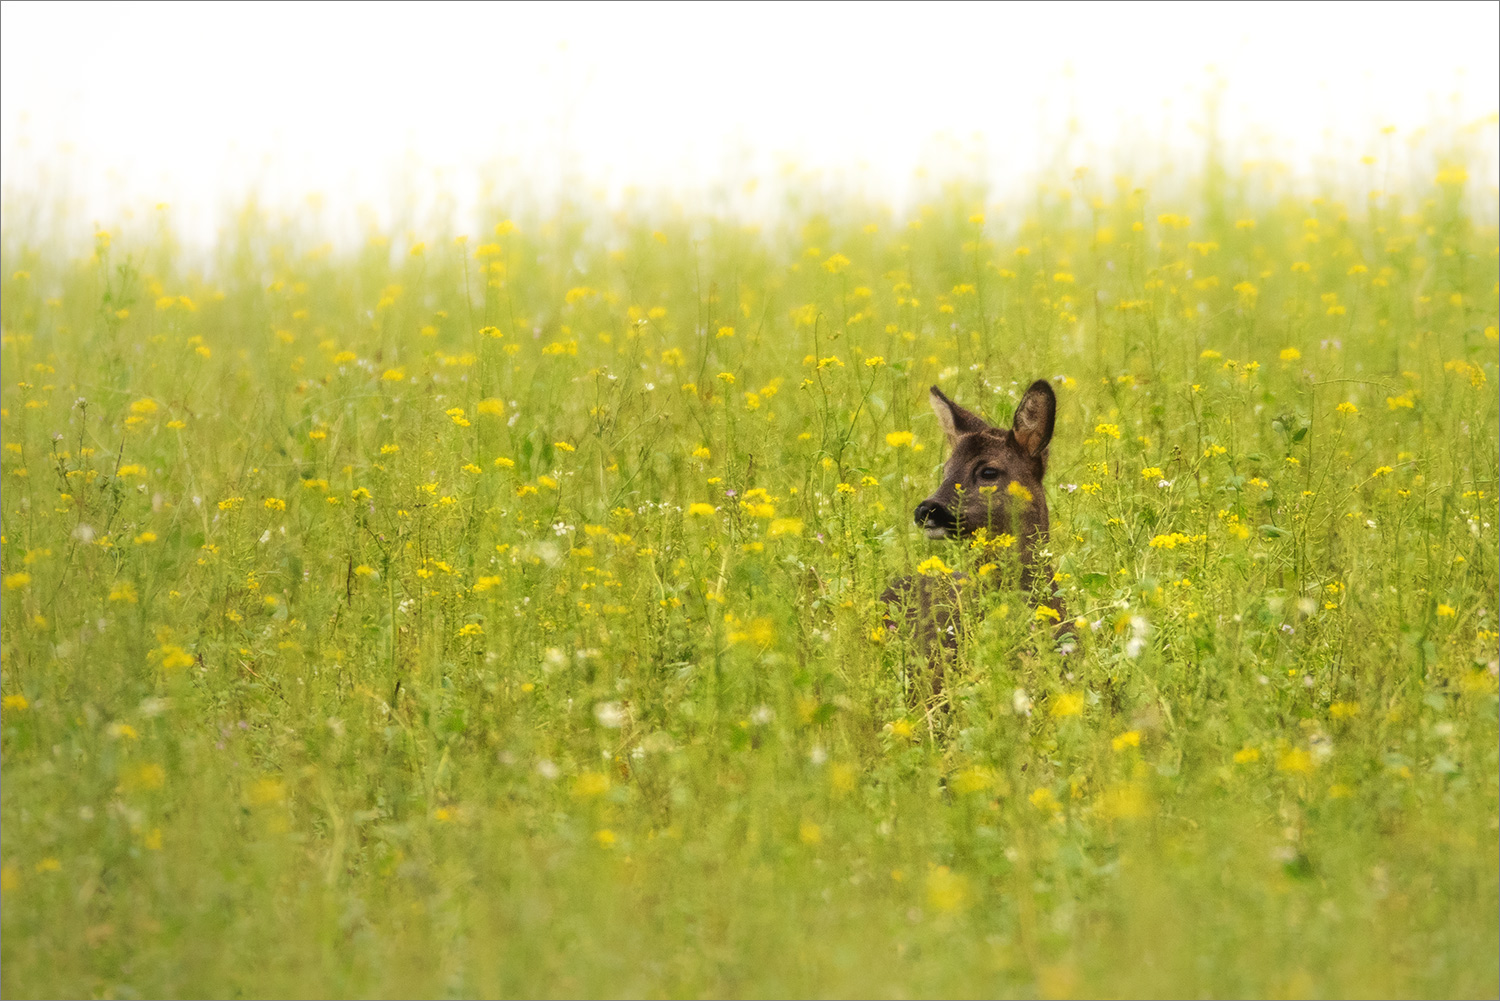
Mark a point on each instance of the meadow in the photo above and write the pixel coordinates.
(497, 613)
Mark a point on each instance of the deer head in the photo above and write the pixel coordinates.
(993, 478)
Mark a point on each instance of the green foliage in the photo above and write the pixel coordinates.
(499, 616)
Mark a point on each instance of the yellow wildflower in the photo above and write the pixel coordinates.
(1066, 704)
(933, 566)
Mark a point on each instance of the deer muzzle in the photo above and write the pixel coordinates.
(935, 519)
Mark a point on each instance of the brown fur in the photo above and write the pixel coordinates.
(976, 494)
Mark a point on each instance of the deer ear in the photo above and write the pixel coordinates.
(955, 419)
(1035, 418)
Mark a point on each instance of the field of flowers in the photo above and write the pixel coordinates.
(498, 614)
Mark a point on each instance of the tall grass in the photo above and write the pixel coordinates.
(498, 615)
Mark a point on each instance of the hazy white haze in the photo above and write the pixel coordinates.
(114, 107)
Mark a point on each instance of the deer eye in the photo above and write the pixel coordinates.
(989, 474)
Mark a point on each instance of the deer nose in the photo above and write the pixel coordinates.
(930, 514)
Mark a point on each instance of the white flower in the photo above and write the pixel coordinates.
(610, 715)
(1139, 627)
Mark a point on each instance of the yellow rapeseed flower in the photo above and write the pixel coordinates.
(266, 792)
(1066, 704)
(933, 566)
(1043, 799)
(1295, 761)
(173, 657)
(590, 785)
(946, 890)
(143, 778)
(899, 728)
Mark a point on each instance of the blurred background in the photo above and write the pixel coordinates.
(419, 112)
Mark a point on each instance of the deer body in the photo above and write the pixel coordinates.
(992, 482)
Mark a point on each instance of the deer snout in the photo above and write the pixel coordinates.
(935, 518)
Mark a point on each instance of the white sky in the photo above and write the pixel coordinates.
(127, 104)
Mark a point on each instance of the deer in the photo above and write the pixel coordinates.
(992, 483)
